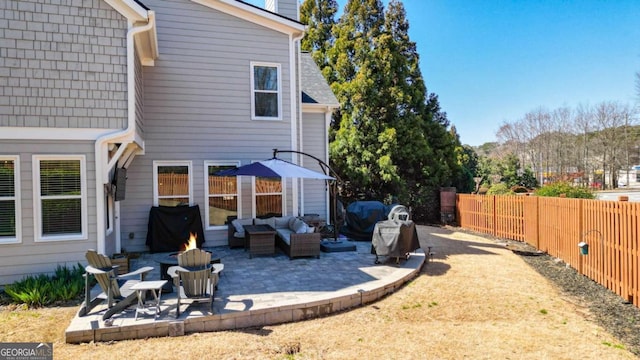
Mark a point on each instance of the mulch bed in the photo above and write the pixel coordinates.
(606, 308)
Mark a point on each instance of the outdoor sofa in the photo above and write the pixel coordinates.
(293, 236)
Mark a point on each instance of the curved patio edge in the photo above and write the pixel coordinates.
(92, 328)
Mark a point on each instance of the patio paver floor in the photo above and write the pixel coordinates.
(260, 291)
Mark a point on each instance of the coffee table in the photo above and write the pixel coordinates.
(261, 239)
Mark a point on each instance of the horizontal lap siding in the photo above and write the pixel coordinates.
(29, 257)
(313, 135)
(288, 8)
(197, 105)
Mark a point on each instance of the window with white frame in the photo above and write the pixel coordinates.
(223, 193)
(9, 200)
(266, 91)
(268, 196)
(172, 183)
(60, 203)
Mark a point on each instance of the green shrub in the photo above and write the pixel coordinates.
(499, 189)
(562, 187)
(40, 290)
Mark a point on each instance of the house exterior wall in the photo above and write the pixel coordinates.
(197, 106)
(288, 8)
(29, 256)
(314, 143)
(62, 64)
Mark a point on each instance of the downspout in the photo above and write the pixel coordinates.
(296, 108)
(327, 122)
(102, 168)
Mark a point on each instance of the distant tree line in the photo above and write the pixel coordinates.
(581, 144)
(390, 140)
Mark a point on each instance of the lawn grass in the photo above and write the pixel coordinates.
(475, 300)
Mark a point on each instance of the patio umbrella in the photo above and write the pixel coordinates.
(278, 168)
(274, 168)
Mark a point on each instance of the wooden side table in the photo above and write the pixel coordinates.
(156, 289)
(261, 239)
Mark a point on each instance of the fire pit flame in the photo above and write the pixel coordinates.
(191, 244)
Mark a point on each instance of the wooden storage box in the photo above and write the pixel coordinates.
(123, 261)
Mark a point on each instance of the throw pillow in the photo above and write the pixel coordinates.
(283, 222)
(299, 227)
(311, 229)
(239, 223)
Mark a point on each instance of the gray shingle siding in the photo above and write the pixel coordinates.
(62, 64)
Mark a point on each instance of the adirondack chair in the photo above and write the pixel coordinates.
(116, 289)
(194, 278)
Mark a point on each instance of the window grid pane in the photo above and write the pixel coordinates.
(60, 197)
(265, 78)
(7, 218)
(7, 179)
(223, 199)
(268, 196)
(61, 216)
(59, 177)
(266, 104)
(173, 181)
(269, 205)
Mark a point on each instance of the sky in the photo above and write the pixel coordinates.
(490, 62)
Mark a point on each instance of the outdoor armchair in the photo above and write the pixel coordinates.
(116, 289)
(195, 278)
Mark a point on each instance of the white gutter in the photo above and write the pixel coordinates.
(294, 109)
(301, 132)
(327, 121)
(103, 166)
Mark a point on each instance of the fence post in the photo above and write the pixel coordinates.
(537, 222)
(495, 217)
(580, 232)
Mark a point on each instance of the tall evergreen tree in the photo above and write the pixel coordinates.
(362, 145)
(389, 138)
(319, 16)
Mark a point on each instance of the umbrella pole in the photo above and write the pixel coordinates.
(335, 211)
(334, 186)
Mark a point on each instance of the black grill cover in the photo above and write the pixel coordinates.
(169, 227)
(361, 218)
(395, 239)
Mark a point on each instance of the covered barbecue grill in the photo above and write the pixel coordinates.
(396, 236)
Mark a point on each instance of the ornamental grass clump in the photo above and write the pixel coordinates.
(39, 290)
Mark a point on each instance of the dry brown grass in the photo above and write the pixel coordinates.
(476, 300)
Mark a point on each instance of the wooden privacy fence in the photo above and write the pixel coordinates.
(611, 229)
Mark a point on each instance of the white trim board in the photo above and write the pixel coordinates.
(47, 133)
